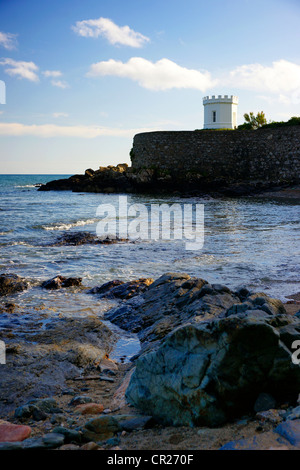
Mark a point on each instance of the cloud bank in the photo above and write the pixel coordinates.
(109, 30)
(53, 130)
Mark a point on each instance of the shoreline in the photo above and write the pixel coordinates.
(105, 383)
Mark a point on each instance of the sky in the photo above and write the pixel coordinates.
(83, 77)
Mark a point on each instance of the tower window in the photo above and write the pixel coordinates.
(214, 116)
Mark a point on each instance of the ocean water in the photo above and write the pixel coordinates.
(248, 242)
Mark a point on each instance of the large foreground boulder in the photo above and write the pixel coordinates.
(208, 372)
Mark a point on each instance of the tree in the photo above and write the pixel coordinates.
(254, 122)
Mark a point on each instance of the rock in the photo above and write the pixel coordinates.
(106, 179)
(70, 435)
(13, 432)
(89, 409)
(37, 409)
(210, 372)
(106, 379)
(139, 422)
(69, 447)
(290, 430)
(270, 416)
(113, 441)
(90, 446)
(176, 298)
(83, 238)
(11, 283)
(122, 290)
(104, 289)
(108, 365)
(263, 441)
(101, 428)
(264, 402)
(50, 357)
(293, 414)
(59, 281)
(118, 399)
(47, 441)
(80, 400)
(11, 446)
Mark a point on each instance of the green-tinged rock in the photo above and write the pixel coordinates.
(47, 441)
(207, 373)
(70, 435)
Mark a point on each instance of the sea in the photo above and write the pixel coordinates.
(251, 242)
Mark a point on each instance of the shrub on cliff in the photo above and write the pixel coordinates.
(252, 121)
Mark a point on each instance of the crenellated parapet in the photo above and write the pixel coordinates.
(221, 99)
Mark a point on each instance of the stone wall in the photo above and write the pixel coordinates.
(269, 155)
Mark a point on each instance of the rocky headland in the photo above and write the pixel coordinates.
(215, 370)
(124, 179)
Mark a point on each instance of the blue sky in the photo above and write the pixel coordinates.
(82, 77)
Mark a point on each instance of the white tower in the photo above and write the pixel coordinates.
(220, 112)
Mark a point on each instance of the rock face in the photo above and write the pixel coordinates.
(176, 298)
(208, 354)
(209, 372)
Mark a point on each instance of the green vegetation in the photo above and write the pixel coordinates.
(252, 121)
(259, 122)
(293, 121)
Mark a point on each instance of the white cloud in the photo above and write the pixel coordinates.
(60, 84)
(109, 30)
(53, 130)
(52, 73)
(161, 75)
(58, 115)
(21, 69)
(281, 77)
(8, 40)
